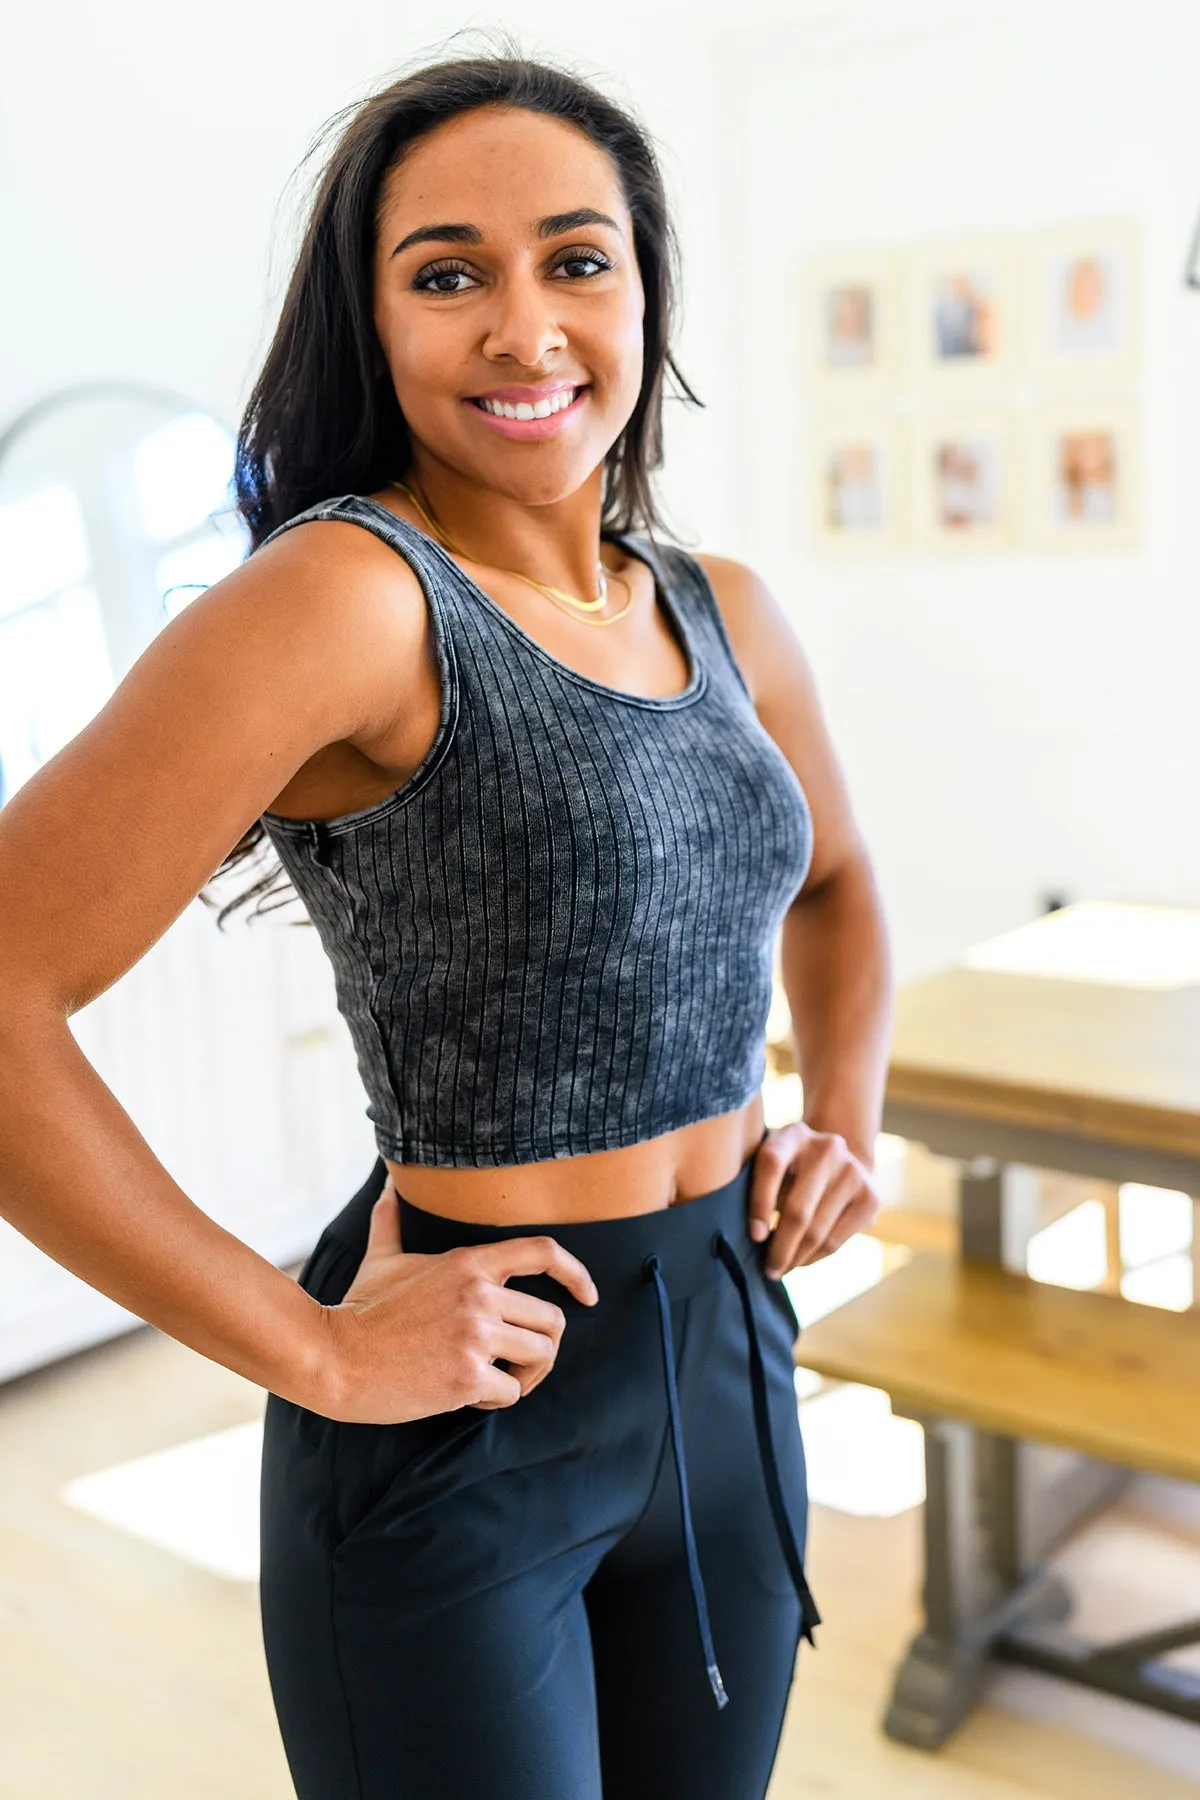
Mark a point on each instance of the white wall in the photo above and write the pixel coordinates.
(1022, 724)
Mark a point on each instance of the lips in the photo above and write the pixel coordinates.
(527, 395)
(520, 419)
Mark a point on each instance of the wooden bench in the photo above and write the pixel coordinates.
(984, 1357)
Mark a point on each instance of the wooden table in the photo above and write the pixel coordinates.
(1012, 1073)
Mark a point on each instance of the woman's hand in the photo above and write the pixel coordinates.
(416, 1335)
(821, 1190)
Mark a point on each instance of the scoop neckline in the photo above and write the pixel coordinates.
(665, 598)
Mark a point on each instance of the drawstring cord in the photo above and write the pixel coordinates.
(766, 1447)
(766, 1443)
(699, 1597)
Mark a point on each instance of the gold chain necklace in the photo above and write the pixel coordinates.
(568, 603)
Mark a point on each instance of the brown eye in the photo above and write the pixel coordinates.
(578, 257)
(438, 272)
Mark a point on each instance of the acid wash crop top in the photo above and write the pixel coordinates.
(558, 935)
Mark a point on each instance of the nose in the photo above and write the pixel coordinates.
(523, 326)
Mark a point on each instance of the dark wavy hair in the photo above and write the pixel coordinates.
(323, 418)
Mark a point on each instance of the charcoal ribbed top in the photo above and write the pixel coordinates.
(558, 935)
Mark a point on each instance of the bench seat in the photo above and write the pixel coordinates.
(956, 1338)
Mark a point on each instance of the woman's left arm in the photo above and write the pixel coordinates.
(835, 959)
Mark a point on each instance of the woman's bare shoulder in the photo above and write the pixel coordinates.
(331, 556)
(333, 598)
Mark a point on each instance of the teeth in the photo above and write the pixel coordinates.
(504, 409)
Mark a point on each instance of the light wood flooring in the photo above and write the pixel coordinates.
(127, 1674)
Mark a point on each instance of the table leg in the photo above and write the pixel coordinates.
(974, 1586)
(997, 1210)
(994, 1506)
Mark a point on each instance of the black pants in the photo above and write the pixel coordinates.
(594, 1592)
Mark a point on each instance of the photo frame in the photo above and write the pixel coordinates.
(964, 482)
(1083, 477)
(858, 486)
(963, 302)
(1083, 299)
(851, 329)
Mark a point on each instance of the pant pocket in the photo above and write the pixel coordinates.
(373, 1464)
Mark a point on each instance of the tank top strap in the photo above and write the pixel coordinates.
(405, 539)
(688, 581)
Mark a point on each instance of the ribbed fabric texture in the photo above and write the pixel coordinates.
(558, 935)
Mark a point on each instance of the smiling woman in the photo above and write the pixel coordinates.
(338, 305)
(552, 790)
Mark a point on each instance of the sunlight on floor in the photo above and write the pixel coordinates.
(1071, 1252)
(198, 1500)
(861, 1458)
(1155, 1233)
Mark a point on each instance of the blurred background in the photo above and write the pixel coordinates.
(941, 299)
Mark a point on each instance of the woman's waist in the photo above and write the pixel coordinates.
(614, 1244)
(618, 1250)
(656, 1174)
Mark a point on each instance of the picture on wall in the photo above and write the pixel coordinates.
(963, 482)
(857, 505)
(977, 394)
(962, 312)
(1082, 286)
(850, 326)
(851, 330)
(1083, 475)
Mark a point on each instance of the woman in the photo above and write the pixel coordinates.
(533, 1495)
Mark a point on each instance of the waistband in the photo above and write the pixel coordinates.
(613, 1251)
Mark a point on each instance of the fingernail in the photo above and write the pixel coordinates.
(772, 1274)
(758, 1230)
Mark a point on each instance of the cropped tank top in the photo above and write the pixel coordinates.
(557, 936)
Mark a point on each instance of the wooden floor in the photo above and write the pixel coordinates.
(126, 1674)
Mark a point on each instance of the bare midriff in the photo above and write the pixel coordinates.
(609, 1184)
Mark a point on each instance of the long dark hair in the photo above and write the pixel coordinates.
(323, 418)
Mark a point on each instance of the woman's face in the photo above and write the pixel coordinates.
(522, 288)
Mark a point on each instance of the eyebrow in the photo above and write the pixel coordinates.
(553, 225)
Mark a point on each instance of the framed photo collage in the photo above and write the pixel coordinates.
(977, 396)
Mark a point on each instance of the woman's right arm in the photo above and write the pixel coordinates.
(100, 852)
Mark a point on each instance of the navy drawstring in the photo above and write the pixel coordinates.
(766, 1444)
(766, 1448)
(689, 1536)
